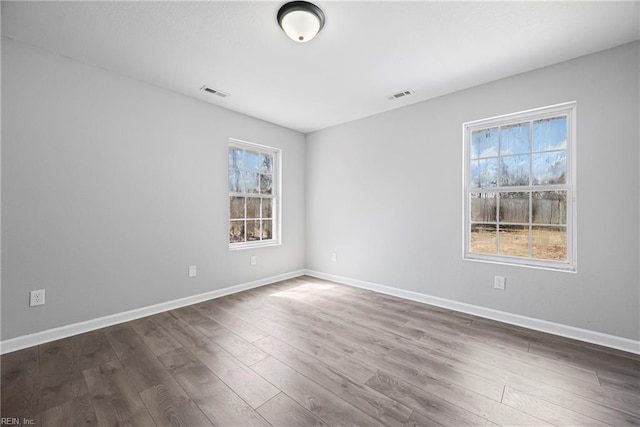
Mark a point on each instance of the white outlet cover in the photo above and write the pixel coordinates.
(334, 257)
(193, 271)
(36, 298)
(253, 260)
(499, 282)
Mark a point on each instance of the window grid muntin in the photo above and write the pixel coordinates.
(531, 224)
(260, 218)
(566, 111)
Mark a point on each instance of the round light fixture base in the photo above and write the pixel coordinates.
(301, 20)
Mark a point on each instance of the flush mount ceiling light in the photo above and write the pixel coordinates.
(300, 20)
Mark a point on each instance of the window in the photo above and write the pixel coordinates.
(519, 186)
(254, 202)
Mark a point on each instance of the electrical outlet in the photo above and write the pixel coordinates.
(253, 260)
(334, 257)
(193, 271)
(499, 282)
(36, 297)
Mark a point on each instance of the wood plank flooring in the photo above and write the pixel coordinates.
(308, 352)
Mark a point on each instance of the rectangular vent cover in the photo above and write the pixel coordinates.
(400, 94)
(214, 91)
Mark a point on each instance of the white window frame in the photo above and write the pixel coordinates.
(566, 109)
(276, 195)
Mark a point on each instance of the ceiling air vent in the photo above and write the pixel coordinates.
(400, 94)
(214, 91)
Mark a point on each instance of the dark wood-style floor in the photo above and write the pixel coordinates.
(310, 352)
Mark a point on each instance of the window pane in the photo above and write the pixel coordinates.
(253, 207)
(253, 230)
(251, 161)
(514, 207)
(236, 231)
(483, 207)
(549, 207)
(550, 168)
(514, 170)
(483, 239)
(550, 134)
(236, 208)
(235, 182)
(484, 143)
(250, 182)
(514, 139)
(549, 243)
(235, 158)
(484, 173)
(266, 163)
(267, 208)
(266, 184)
(267, 227)
(514, 240)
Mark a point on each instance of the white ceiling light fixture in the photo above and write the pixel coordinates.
(300, 20)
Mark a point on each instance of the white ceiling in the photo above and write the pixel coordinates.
(366, 51)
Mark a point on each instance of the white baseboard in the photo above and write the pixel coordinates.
(612, 341)
(18, 343)
(567, 331)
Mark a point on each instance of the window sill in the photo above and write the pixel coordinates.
(565, 267)
(253, 245)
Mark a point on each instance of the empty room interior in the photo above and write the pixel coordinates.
(268, 213)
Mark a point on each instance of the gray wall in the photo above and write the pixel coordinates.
(384, 193)
(112, 187)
